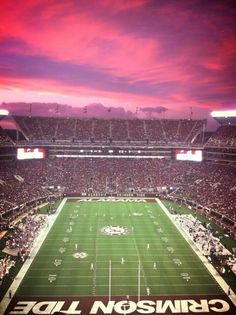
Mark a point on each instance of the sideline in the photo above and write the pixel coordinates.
(204, 260)
(37, 244)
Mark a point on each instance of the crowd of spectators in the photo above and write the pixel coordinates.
(208, 184)
(22, 237)
(68, 129)
(20, 240)
(4, 138)
(213, 186)
(202, 236)
(20, 184)
(160, 131)
(208, 241)
(225, 136)
(6, 264)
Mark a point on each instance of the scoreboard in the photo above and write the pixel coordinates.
(30, 153)
(188, 155)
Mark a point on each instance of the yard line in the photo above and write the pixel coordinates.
(140, 264)
(114, 254)
(156, 294)
(109, 293)
(121, 276)
(113, 237)
(128, 268)
(96, 255)
(119, 285)
(69, 262)
(117, 249)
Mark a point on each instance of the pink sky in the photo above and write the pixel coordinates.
(121, 53)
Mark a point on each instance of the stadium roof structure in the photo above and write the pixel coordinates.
(227, 117)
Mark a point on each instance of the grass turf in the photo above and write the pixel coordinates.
(153, 248)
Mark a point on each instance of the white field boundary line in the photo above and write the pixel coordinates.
(37, 244)
(204, 260)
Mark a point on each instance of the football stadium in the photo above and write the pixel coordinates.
(117, 216)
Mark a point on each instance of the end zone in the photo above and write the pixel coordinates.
(203, 305)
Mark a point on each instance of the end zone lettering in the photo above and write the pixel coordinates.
(186, 306)
(111, 200)
(161, 307)
(46, 307)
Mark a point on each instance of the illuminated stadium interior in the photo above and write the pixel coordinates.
(46, 160)
(117, 157)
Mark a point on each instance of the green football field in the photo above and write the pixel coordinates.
(116, 249)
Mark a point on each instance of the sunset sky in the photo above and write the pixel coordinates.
(131, 54)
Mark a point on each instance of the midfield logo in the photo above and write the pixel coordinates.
(115, 230)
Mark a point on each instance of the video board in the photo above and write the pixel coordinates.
(188, 155)
(30, 153)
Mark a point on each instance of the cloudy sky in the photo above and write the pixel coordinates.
(173, 54)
